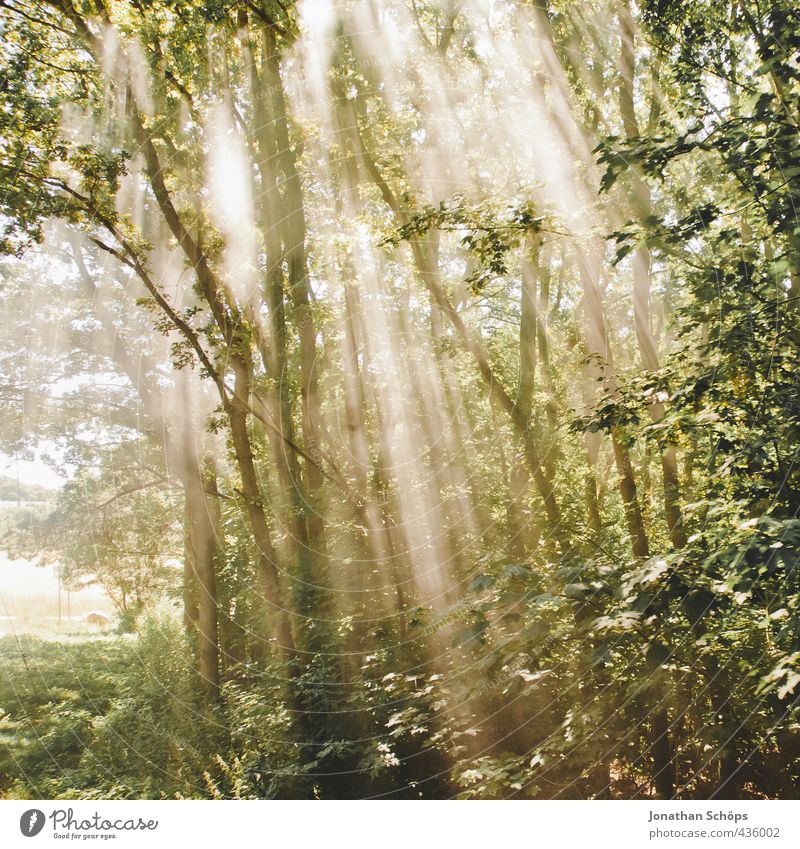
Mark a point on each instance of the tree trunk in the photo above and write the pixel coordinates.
(601, 365)
(294, 250)
(641, 278)
(251, 494)
(202, 515)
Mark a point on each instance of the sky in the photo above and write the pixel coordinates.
(30, 471)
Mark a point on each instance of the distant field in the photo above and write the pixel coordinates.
(29, 602)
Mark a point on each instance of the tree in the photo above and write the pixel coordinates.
(454, 359)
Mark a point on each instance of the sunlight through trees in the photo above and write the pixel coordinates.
(423, 378)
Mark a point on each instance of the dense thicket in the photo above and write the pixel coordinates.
(439, 361)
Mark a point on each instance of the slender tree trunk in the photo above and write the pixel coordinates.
(642, 274)
(294, 250)
(202, 515)
(601, 365)
(598, 344)
(592, 444)
(532, 340)
(251, 494)
(274, 212)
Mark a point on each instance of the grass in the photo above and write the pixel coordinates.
(91, 716)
